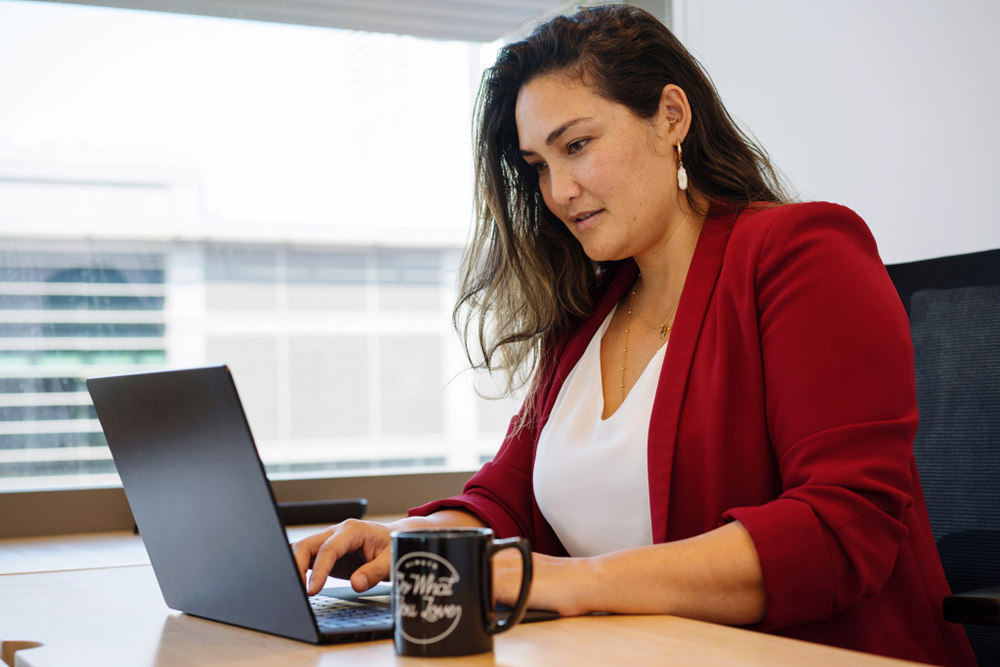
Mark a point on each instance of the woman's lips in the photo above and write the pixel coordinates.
(584, 221)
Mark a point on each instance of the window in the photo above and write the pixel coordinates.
(289, 200)
(65, 312)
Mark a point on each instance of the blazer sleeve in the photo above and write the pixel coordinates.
(500, 493)
(841, 414)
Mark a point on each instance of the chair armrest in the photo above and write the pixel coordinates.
(978, 607)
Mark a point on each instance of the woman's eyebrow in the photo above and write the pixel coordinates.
(556, 133)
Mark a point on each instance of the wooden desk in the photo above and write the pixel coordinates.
(27, 555)
(115, 616)
(87, 551)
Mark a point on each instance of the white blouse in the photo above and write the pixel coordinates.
(591, 477)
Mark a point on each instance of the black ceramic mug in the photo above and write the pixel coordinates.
(442, 590)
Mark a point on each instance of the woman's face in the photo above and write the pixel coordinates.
(608, 175)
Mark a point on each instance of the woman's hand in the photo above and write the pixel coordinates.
(712, 577)
(365, 541)
(555, 584)
(345, 541)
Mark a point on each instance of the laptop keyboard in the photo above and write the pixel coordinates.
(334, 613)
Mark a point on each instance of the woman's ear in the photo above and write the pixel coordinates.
(673, 118)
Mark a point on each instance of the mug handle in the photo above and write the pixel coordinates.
(517, 614)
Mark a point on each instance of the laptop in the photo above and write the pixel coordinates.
(206, 512)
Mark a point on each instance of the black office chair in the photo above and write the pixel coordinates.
(954, 309)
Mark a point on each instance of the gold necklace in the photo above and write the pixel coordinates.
(664, 329)
(628, 323)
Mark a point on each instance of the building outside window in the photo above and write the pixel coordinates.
(290, 201)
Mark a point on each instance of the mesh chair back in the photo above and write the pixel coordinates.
(954, 309)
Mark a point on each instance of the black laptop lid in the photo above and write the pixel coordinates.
(201, 500)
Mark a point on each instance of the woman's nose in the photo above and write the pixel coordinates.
(563, 186)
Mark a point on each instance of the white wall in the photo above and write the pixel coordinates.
(891, 107)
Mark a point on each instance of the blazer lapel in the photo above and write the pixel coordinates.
(665, 418)
(578, 341)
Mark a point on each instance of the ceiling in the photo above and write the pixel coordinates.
(465, 20)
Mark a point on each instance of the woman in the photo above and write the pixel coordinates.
(721, 407)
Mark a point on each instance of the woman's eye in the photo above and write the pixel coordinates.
(539, 167)
(576, 146)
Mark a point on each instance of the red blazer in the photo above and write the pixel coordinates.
(787, 402)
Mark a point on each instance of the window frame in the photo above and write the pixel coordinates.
(29, 513)
(104, 509)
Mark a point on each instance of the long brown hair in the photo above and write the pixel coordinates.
(524, 277)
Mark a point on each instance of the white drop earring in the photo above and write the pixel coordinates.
(682, 175)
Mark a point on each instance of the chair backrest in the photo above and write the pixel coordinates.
(954, 309)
